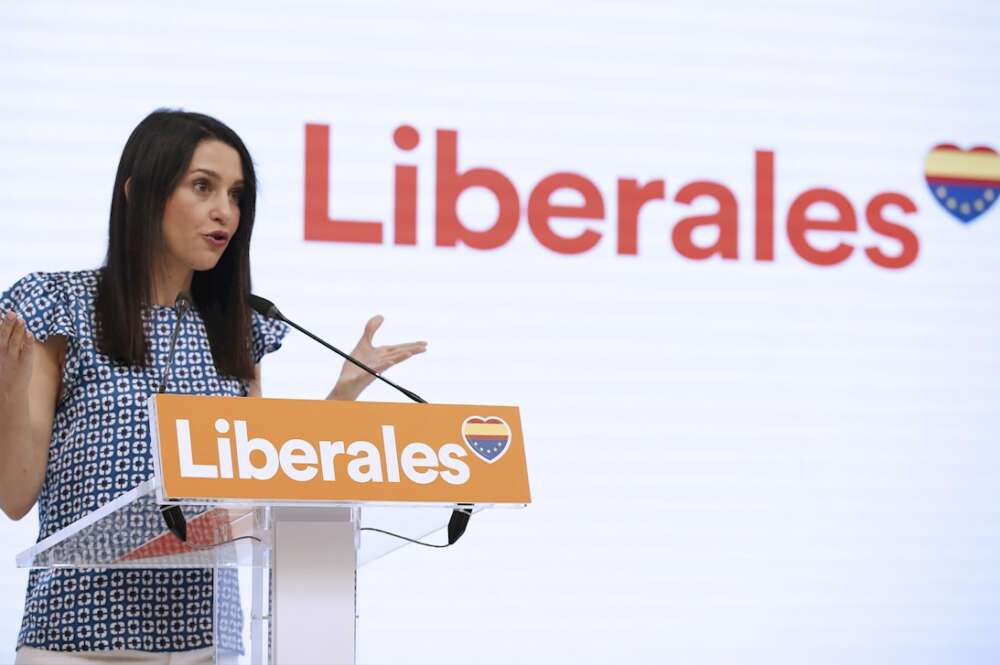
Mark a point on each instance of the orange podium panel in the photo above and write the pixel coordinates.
(302, 451)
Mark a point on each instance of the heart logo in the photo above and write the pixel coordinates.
(965, 182)
(487, 437)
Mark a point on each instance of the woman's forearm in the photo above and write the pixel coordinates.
(30, 382)
(22, 458)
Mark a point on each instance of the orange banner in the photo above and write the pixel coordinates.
(240, 448)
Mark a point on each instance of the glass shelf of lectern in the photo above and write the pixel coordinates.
(130, 532)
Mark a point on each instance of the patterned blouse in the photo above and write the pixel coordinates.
(100, 450)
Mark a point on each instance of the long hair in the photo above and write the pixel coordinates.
(154, 160)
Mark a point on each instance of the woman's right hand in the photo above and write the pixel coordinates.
(30, 383)
(17, 347)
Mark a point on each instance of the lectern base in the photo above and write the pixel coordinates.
(314, 570)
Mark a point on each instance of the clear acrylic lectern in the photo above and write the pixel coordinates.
(285, 588)
(287, 533)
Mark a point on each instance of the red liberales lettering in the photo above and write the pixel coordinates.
(763, 177)
(318, 224)
(631, 199)
(799, 222)
(541, 210)
(451, 182)
(405, 190)
(909, 245)
(726, 218)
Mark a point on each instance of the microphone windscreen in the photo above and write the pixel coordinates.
(263, 306)
(456, 525)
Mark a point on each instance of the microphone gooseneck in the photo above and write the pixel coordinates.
(181, 306)
(172, 515)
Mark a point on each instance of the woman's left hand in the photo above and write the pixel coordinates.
(353, 379)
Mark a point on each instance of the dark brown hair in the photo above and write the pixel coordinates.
(155, 158)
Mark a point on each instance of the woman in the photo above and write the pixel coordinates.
(80, 352)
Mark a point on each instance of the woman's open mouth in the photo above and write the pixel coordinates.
(217, 238)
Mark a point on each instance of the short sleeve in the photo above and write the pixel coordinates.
(44, 302)
(266, 335)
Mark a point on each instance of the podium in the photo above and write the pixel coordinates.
(286, 499)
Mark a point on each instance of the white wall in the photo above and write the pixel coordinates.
(731, 460)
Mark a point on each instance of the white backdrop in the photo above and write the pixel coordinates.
(731, 460)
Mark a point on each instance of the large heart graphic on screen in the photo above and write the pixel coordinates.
(965, 182)
(488, 437)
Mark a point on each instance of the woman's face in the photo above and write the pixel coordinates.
(202, 214)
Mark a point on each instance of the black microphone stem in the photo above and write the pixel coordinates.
(181, 306)
(173, 516)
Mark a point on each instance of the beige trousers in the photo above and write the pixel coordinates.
(32, 656)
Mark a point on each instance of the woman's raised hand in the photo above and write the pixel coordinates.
(353, 379)
(16, 349)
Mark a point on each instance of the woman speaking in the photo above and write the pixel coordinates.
(80, 353)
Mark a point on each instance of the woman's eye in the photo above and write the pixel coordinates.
(201, 185)
(235, 195)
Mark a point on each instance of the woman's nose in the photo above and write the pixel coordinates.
(223, 209)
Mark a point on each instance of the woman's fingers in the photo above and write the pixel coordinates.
(16, 348)
(7, 329)
(415, 347)
(14, 334)
(397, 357)
(16, 337)
(27, 340)
(384, 359)
(402, 354)
(372, 326)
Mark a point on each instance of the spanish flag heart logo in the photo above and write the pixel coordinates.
(965, 182)
(487, 437)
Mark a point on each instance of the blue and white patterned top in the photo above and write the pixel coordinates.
(100, 450)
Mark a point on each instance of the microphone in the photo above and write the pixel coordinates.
(460, 516)
(174, 518)
(459, 520)
(172, 515)
(181, 306)
(268, 309)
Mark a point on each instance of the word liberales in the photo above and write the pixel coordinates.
(813, 211)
